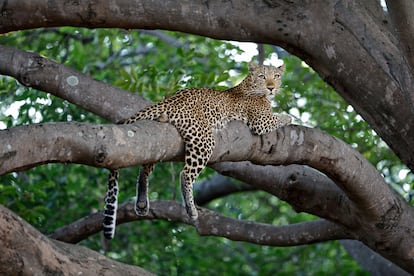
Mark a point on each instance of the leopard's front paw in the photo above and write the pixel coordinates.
(287, 119)
(284, 120)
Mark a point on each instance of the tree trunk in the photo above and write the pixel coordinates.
(25, 251)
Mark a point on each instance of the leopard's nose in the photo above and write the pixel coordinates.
(271, 88)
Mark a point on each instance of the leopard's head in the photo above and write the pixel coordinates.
(263, 80)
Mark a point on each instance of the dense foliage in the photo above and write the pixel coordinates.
(155, 64)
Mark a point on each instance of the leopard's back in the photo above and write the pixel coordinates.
(206, 107)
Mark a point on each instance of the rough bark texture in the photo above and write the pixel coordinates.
(25, 251)
(403, 21)
(371, 261)
(218, 186)
(353, 46)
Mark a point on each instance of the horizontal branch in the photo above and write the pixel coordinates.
(218, 186)
(109, 146)
(34, 70)
(113, 146)
(211, 224)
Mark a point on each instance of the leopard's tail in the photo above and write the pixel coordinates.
(111, 205)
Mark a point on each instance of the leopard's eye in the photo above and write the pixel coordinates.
(262, 76)
(277, 76)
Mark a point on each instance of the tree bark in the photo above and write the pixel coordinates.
(218, 186)
(371, 261)
(25, 251)
(351, 46)
(403, 22)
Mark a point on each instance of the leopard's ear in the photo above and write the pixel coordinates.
(252, 66)
(282, 67)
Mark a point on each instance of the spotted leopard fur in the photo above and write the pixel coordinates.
(197, 113)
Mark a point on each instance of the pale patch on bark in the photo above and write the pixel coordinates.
(330, 52)
(296, 138)
(72, 80)
(119, 136)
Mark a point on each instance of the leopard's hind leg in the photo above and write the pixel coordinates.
(111, 205)
(111, 198)
(142, 201)
(198, 151)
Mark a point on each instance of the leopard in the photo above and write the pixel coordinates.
(197, 113)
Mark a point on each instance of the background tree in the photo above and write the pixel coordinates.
(353, 47)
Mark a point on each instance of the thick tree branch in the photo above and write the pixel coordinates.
(342, 45)
(25, 251)
(94, 145)
(306, 189)
(108, 146)
(38, 72)
(218, 186)
(211, 224)
(402, 20)
(371, 261)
